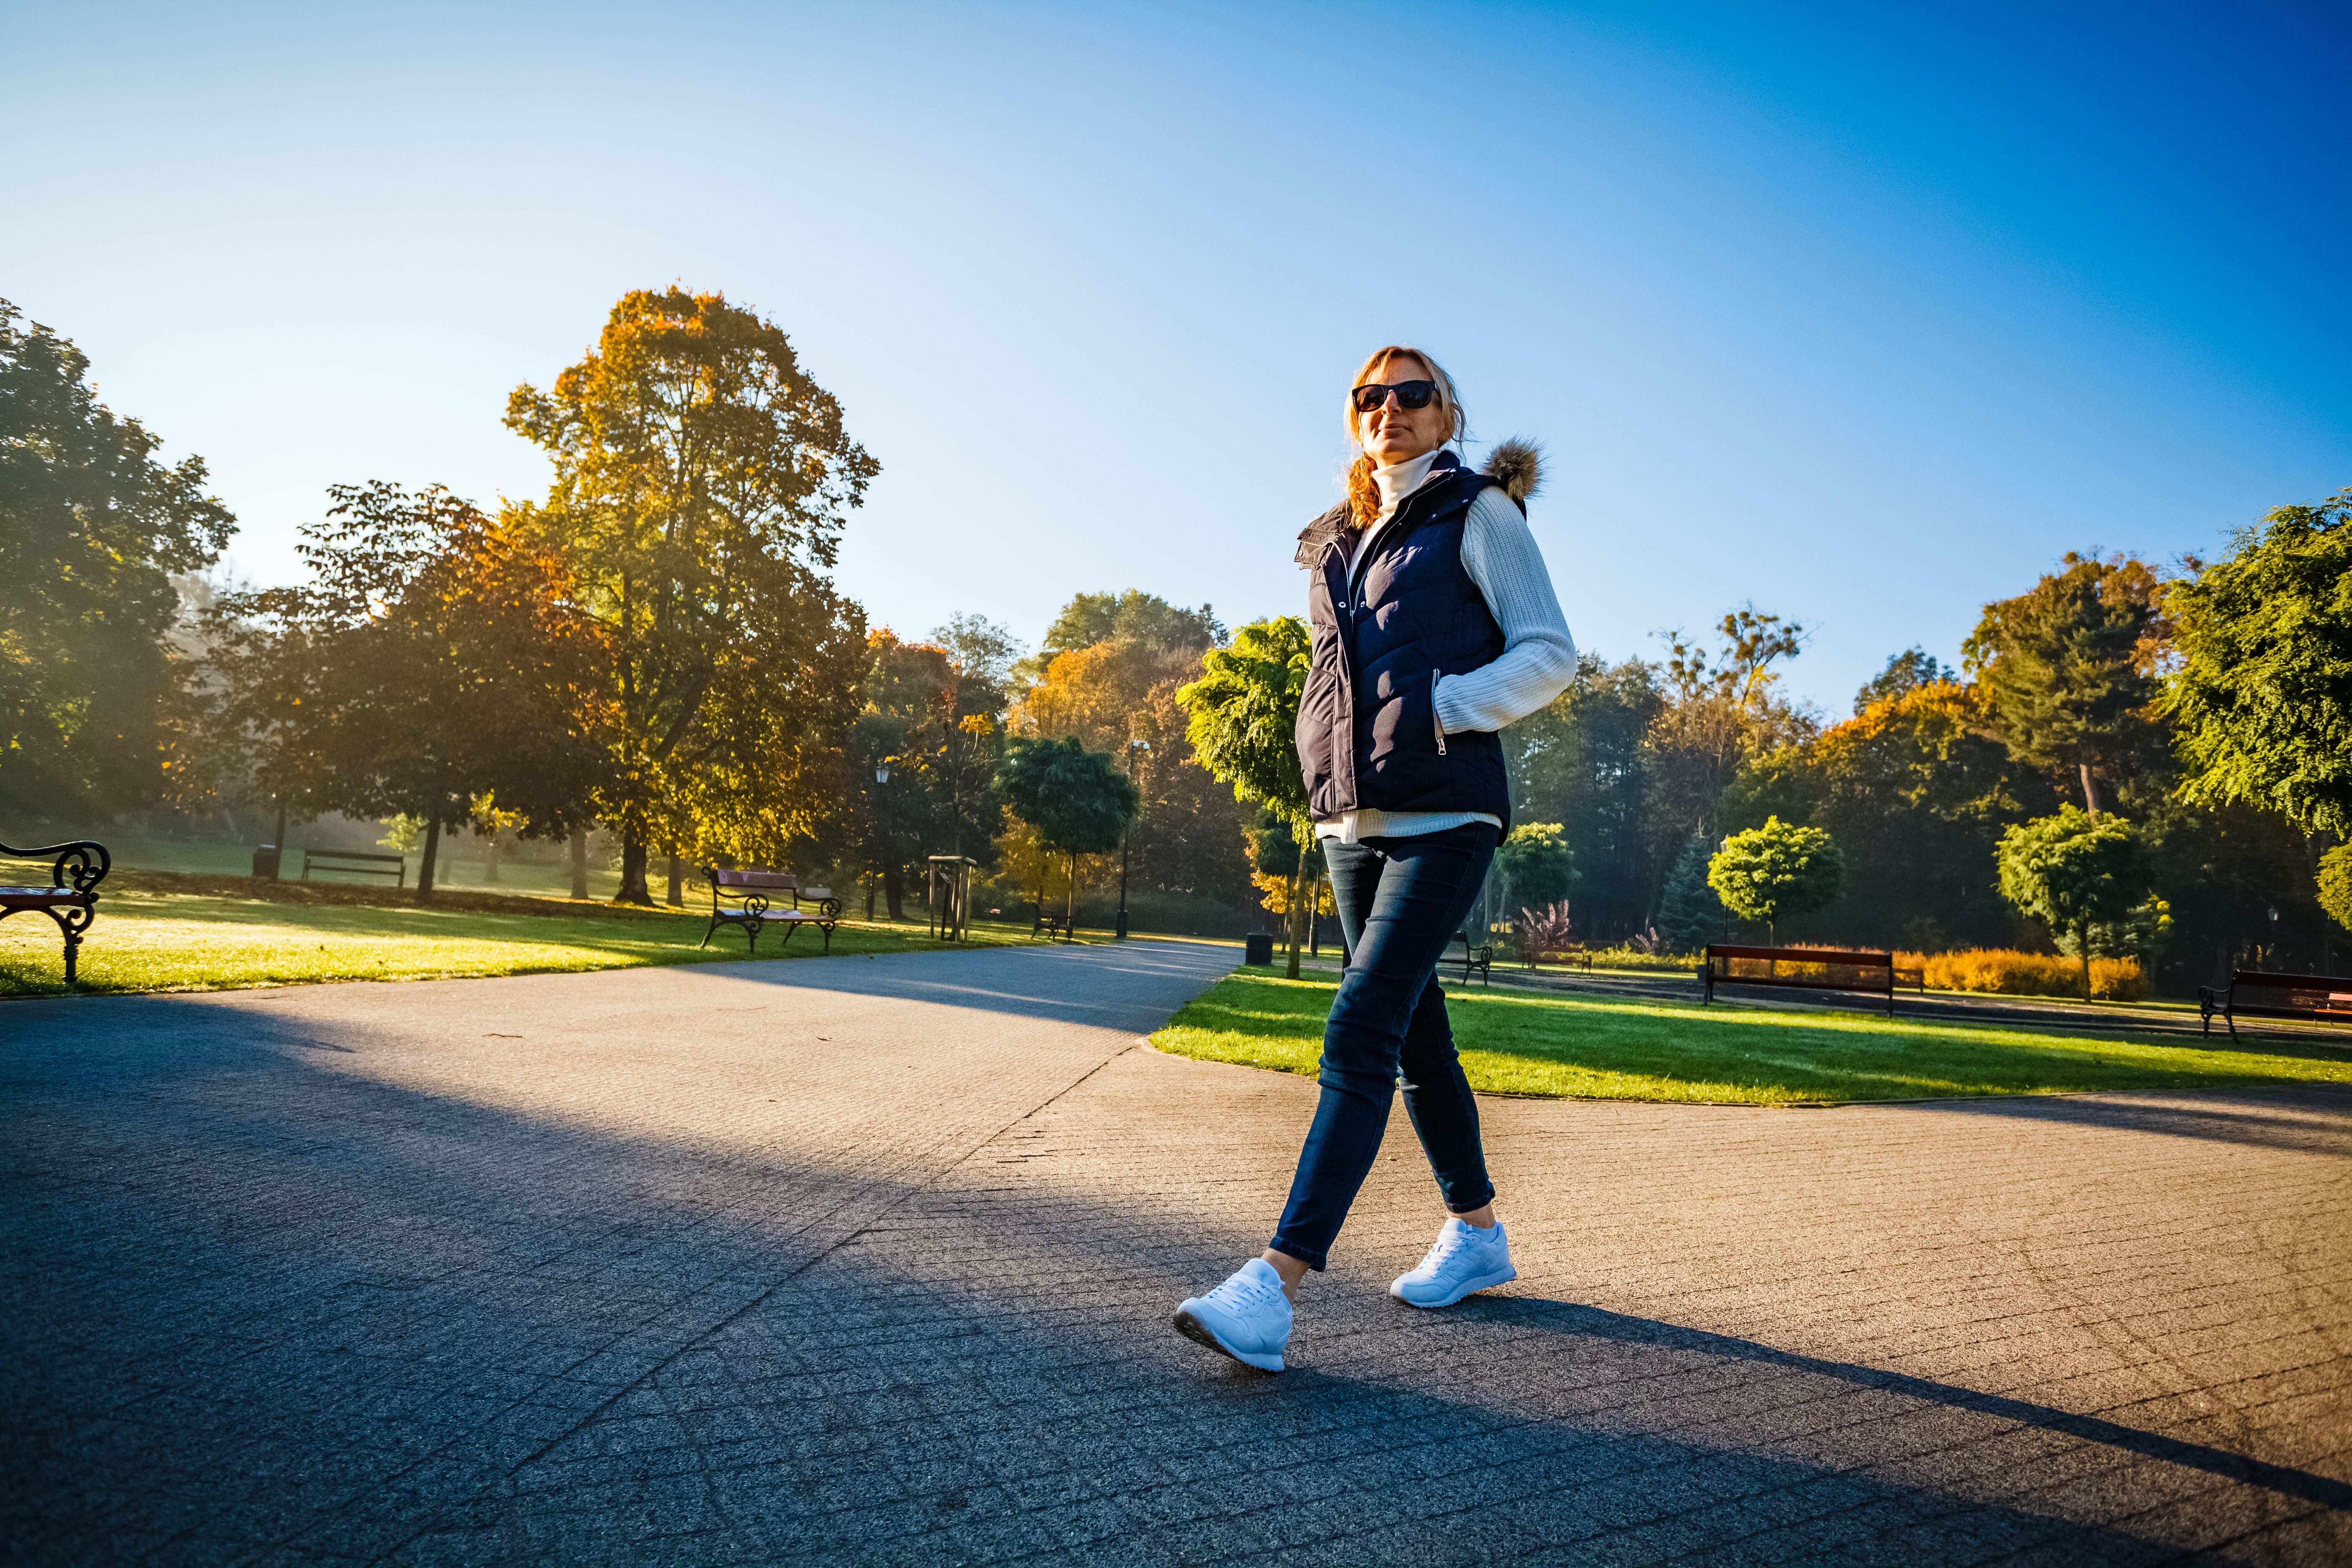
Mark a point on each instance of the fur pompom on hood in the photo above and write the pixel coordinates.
(1517, 467)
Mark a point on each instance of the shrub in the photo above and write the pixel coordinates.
(2009, 973)
(1546, 930)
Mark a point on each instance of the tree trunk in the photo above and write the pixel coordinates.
(579, 862)
(894, 888)
(2090, 793)
(426, 862)
(280, 840)
(869, 895)
(634, 854)
(676, 880)
(1070, 903)
(2083, 945)
(1290, 917)
(490, 858)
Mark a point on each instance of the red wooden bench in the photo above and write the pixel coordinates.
(753, 895)
(2317, 998)
(71, 897)
(1806, 968)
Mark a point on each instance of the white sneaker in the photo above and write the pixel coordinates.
(1247, 1318)
(1465, 1260)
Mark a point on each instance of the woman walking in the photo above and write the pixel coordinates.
(1434, 627)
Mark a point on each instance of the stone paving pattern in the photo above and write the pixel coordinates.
(871, 1261)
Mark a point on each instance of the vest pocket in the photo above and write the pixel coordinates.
(1436, 725)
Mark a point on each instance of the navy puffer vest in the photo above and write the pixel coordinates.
(1367, 733)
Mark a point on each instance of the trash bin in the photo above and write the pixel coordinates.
(265, 862)
(1121, 931)
(1258, 947)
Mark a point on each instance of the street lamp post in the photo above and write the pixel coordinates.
(1126, 836)
(881, 776)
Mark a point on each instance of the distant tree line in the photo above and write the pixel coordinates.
(657, 646)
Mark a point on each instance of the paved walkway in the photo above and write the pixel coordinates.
(871, 1261)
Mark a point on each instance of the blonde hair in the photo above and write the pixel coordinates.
(1363, 495)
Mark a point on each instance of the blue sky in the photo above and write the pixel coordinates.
(1863, 318)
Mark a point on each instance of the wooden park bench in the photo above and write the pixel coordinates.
(1806, 968)
(2315, 998)
(359, 863)
(1051, 923)
(71, 897)
(753, 894)
(1576, 955)
(1479, 956)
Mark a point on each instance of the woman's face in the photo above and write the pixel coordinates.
(1393, 434)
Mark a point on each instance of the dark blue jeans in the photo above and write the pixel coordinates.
(1401, 902)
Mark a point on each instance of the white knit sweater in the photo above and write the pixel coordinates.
(1539, 656)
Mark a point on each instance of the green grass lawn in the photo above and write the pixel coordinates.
(151, 940)
(1727, 1054)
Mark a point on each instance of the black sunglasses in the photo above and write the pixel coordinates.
(1409, 395)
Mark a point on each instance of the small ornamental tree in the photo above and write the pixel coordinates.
(2073, 873)
(1774, 870)
(1241, 718)
(1538, 866)
(2335, 885)
(1077, 801)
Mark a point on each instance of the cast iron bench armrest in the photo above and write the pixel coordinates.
(71, 898)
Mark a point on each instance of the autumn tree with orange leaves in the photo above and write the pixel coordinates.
(701, 480)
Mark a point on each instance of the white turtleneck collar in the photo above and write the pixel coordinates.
(1401, 480)
(1396, 482)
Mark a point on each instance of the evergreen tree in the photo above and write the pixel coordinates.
(1690, 915)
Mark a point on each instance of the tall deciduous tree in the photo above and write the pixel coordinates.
(1585, 764)
(2263, 700)
(1724, 711)
(1242, 724)
(91, 529)
(701, 480)
(933, 722)
(434, 667)
(2071, 872)
(2070, 669)
(1077, 802)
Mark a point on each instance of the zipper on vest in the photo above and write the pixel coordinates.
(1434, 722)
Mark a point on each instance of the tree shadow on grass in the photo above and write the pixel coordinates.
(262, 1304)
